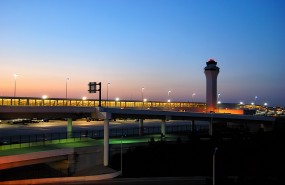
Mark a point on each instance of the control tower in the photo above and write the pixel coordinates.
(211, 71)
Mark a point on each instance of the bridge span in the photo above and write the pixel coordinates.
(107, 114)
(111, 113)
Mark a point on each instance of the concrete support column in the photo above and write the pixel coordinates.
(69, 127)
(141, 128)
(71, 165)
(106, 142)
(163, 127)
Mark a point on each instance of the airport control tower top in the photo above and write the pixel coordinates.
(211, 65)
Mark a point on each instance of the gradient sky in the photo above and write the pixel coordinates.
(160, 45)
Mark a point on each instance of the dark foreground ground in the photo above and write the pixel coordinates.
(240, 159)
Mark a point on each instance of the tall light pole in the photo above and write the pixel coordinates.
(15, 84)
(214, 166)
(169, 100)
(122, 155)
(219, 102)
(168, 96)
(193, 94)
(219, 96)
(142, 93)
(66, 80)
(255, 99)
(108, 93)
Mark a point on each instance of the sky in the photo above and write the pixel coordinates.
(158, 45)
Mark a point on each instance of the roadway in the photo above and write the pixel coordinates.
(55, 126)
(147, 181)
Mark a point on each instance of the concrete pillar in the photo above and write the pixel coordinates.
(71, 165)
(163, 125)
(106, 142)
(69, 127)
(141, 128)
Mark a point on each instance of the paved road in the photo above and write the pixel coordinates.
(147, 181)
(61, 126)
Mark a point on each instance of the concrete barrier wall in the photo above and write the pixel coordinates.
(36, 155)
(63, 179)
(34, 158)
(88, 157)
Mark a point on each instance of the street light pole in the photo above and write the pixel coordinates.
(108, 93)
(214, 166)
(193, 94)
(168, 95)
(66, 90)
(219, 102)
(255, 99)
(142, 93)
(15, 84)
(169, 99)
(121, 155)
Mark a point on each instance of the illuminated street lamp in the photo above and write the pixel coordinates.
(142, 93)
(15, 84)
(168, 96)
(241, 104)
(252, 104)
(214, 166)
(219, 102)
(84, 98)
(265, 104)
(193, 94)
(219, 96)
(108, 93)
(255, 99)
(117, 99)
(43, 99)
(66, 80)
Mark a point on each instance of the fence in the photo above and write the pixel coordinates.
(20, 141)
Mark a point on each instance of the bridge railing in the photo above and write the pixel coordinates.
(21, 141)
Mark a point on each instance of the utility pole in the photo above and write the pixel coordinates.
(214, 166)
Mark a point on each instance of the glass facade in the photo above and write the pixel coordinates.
(33, 101)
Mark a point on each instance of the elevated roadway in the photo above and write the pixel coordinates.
(113, 113)
(10, 112)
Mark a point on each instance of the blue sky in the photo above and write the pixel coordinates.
(160, 45)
